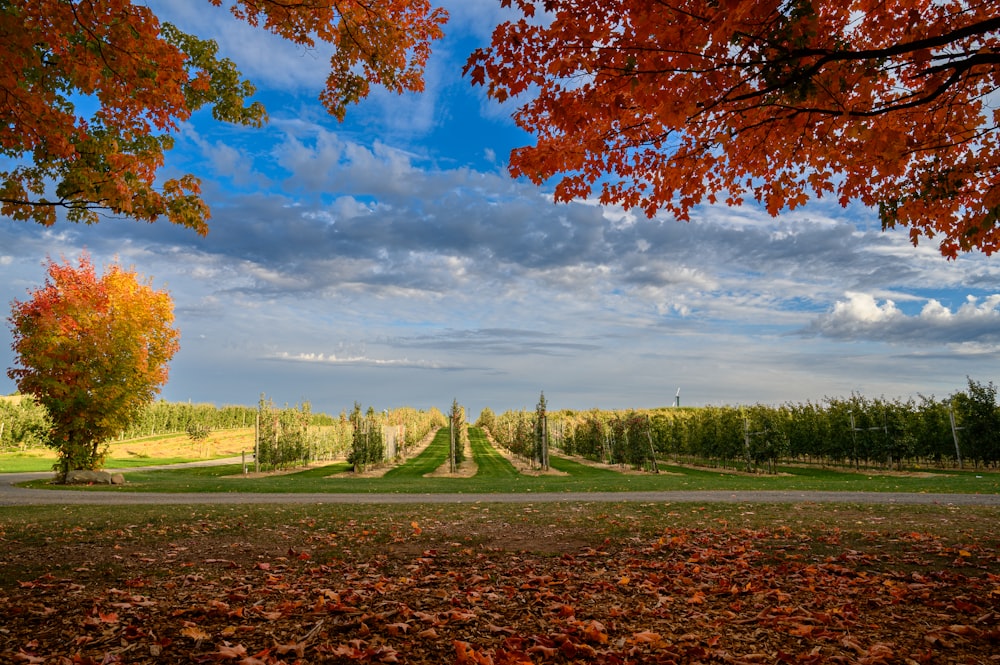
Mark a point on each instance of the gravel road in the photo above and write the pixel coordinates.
(19, 496)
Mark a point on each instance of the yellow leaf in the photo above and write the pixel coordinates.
(195, 633)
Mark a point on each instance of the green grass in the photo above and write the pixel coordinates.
(489, 462)
(27, 462)
(24, 462)
(429, 459)
(496, 475)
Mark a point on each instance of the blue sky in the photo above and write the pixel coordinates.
(390, 260)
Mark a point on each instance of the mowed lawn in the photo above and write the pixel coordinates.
(495, 474)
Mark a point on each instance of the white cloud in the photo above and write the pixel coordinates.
(364, 361)
(861, 316)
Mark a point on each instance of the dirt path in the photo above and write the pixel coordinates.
(20, 496)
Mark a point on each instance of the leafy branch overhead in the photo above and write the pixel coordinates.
(147, 77)
(665, 105)
(660, 105)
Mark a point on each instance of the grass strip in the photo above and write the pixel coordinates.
(490, 463)
(428, 461)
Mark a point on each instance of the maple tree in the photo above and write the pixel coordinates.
(93, 350)
(665, 104)
(145, 77)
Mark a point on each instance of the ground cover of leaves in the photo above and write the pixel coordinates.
(501, 584)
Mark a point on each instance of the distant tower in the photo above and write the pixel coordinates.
(677, 397)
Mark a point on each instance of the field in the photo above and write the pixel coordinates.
(500, 583)
(480, 583)
(165, 449)
(495, 474)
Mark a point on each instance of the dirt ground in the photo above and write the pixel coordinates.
(491, 586)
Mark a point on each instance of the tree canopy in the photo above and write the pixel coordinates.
(146, 77)
(666, 104)
(93, 350)
(660, 105)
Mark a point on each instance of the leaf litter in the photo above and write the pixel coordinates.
(498, 589)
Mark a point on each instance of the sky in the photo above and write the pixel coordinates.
(390, 260)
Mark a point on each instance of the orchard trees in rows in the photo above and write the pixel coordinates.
(369, 432)
(515, 431)
(486, 420)
(458, 431)
(856, 431)
(416, 424)
(610, 437)
(93, 350)
(977, 410)
(540, 452)
(367, 443)
(162, 417)
(23, 423)
(525, 434)
(583, 434)
(282, 437)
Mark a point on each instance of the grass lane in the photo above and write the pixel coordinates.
(429, 459)
(490, 463)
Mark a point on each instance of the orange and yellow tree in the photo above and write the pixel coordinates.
(666, 104)
(145, 77)
(93, 350)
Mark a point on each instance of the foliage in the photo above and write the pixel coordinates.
(540, 450)
(162, 417)
(459, 432)
(198, 433)
(515, 431)
(146, 78)
(765, 440)
(368, 446)
(23, 423)
(667, 105)
(977, 409)
(486, 419)
(283, 439)
(856, 430)
(93, 351)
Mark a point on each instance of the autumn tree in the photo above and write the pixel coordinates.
(665, 104)
(144, 77)
(93, 350)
